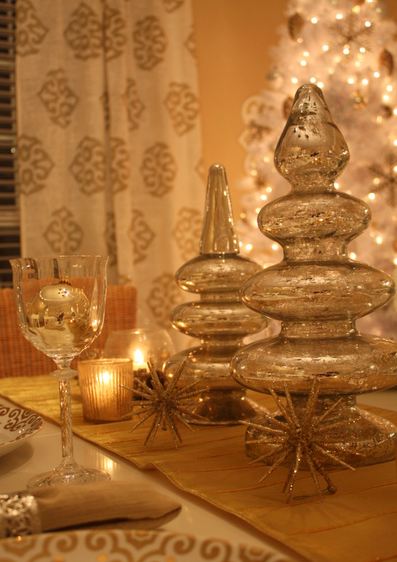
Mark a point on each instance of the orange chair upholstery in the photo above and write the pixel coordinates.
(20, 357)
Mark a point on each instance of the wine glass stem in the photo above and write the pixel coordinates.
(66, 420)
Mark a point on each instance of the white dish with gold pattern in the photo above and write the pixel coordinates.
(130, 546)
(16, 426)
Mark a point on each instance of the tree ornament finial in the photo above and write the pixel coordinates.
(311, 150)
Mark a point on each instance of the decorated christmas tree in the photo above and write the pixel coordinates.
(349, 49)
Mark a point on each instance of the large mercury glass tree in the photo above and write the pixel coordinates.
(348, 48)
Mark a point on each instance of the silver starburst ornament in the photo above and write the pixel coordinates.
(298, 441)
(166, 401)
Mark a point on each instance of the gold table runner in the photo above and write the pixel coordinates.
(357, 524)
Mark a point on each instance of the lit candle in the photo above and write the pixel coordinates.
(139, 365)
(138, 359)
(105, 386)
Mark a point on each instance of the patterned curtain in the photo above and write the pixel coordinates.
(109, 146)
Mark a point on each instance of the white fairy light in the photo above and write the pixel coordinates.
(314, 20)
(339, 16)
(371, 196)
(325, 47)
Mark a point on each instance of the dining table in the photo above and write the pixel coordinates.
(198, 517)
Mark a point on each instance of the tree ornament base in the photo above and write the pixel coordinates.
(348, 435)
(222, 401)
(224, 407)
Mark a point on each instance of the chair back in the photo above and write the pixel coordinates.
(18, 357)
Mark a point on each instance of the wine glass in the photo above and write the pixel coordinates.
(60, 307)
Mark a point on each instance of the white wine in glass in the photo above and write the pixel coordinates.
(60, 307)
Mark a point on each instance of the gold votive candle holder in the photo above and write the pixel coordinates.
(105, 386)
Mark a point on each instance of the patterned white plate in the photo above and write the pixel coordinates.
(129, 546)
(16, 425)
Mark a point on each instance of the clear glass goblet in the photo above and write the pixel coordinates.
(60, 307)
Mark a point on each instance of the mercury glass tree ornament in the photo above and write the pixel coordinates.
(219, 318)
(317, 293)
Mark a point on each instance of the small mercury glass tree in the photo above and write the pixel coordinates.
(219, 319)
(318, 293)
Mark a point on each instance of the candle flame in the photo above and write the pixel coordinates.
(138, 359)
(105, 377)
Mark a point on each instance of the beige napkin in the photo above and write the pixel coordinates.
(109, 503)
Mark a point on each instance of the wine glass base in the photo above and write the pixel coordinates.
(68, 475)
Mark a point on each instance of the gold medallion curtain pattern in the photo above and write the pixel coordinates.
(109, 138)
